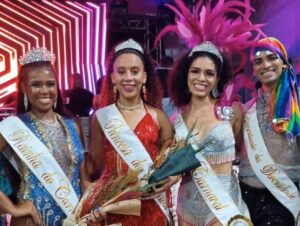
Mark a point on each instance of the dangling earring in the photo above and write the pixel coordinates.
(144, 90)
(115, 91)
(55, 104)
(215, 92)
(25, 101)
(284, 67)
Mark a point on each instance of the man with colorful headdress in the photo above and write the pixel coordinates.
(270, 168)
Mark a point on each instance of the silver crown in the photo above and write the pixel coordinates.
(207, 47)
(129, 44)
(37, 54)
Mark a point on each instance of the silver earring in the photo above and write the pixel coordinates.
(284, 67)
(55, 104)
(215, 92)
(25, 101)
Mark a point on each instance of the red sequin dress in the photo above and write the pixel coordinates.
(147, 131)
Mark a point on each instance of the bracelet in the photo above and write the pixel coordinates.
(239, 218)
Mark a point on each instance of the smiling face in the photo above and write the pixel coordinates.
(202, 77)
(267, 66)
(129, 76)
(41, 88)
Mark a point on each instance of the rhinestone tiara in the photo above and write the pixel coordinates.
(129, 44)
(37, 54)
(207, 47)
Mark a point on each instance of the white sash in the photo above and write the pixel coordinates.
(127, 145)
(39, 160)
(9, 155)
(264, 167)
(210, 187)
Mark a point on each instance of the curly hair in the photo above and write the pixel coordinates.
(23, 72)
(153, 86)
(178, 87)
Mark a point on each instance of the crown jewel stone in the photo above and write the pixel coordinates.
(207, 47)
(129, 44)
(37, 54)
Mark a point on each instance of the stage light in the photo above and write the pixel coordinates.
(74, 30)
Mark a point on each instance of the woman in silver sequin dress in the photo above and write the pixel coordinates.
(199, 74)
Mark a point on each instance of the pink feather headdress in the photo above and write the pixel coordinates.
(211, 23)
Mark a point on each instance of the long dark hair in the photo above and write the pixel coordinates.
(24, 70)
(153, 87)
(178, 87)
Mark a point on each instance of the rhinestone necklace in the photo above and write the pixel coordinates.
(49, 123)
(129, 108)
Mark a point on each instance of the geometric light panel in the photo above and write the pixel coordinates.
(74, 31)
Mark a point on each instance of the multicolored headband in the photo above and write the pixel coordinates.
(37, 54)
(207, 47)
(129, 44)
(272, 44)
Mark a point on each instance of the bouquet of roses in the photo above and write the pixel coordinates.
(179, 158)
(119, 195)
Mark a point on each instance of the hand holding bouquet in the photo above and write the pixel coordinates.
(179, 158)
(119, 195)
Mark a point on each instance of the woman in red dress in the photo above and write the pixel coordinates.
(131, 87)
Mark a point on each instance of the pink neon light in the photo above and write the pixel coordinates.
(104, 25)
(76, 36)
(19, 28)
(88, 46)
(96, 57)
(13, 37)
(51, 35)
(63, 70)
(7, 90)
(12, 74)
(61, 9)
(79, 48)
(13, 63)
(97, 24)
(19, 12)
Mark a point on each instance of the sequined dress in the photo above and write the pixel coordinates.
(147, 131)
(64, 144)
(218, 147)
(5, 185)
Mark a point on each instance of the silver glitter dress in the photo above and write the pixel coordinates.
(218, 148)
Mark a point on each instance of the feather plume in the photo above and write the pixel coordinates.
(211, 22)
(231, 90)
